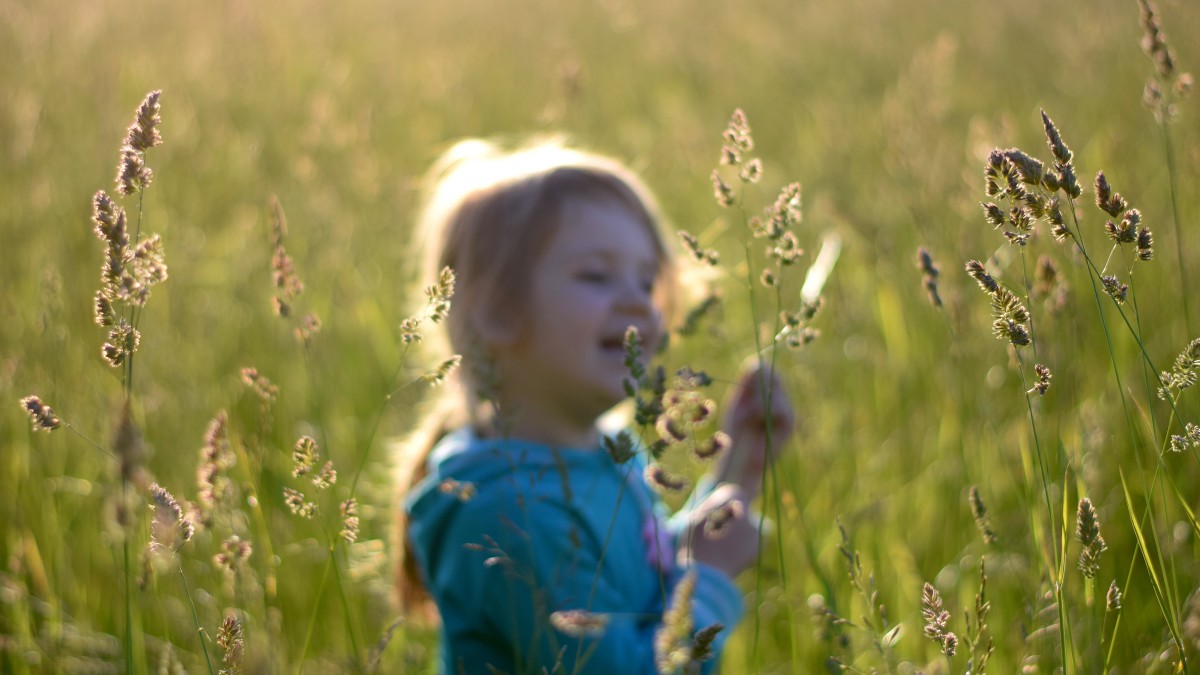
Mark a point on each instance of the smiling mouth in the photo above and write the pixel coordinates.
(613, 344)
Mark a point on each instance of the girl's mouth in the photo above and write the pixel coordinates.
(612, 344)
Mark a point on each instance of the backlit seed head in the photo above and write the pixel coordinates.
(230, 638)
(462, 490)
(1117, 290)
(1145, 244)
(170, 528)
(132, 173)
(620, 447)
(1030, 168)
(143, 133)
(40, 415)
(326, 477)
(349, 531)
(702, 642)
(103, 310)
(579, 623)
(235, 551)
(1068, 182)
(752, 171)
(719, 442)
(979, 512)
(297, 504)
(929, 272)
(1054, 140)
(724, 194)
(1113, 599)
(442, 372)
(1043, 380)
(737, 132)
(1152, 95)
(1154, 42)
(993, 214)
(109, 220)
(304, 456)
(949, 644)
(717, 519)
(123, 341)
(1087, 531)
(935, 615)
(658, 477)
(261, 386)
(1107, 200)
(981, 277)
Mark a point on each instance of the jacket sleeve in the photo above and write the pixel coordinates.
(536, 559)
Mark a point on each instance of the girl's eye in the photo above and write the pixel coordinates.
(592, 276)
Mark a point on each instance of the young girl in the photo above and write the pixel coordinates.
(542, 552)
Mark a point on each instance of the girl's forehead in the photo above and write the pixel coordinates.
(604, 227)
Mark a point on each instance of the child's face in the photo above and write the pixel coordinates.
(565, 365)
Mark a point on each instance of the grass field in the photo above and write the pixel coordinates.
(884, 111)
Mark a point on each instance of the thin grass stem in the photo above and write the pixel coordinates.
(196, 619)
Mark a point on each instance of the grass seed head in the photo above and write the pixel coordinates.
(1030, 169)
(1113, 599)
(1087, 531)
(1107, 200)
(752, 171)
(717, 519)
(1117, 290)
(579, 623)
(702, 642)
(621, 447)
(929, 272)
(143, 133)
(170, 529)
(132, 173)
(349, 511)
(102, 310)
(1043, 380)
(442, 372)
(660, 479)
(1145, 244)
(993, 214)
(936, 617)
(304, 456)
(724, 194)
(981, 277)
(109, 220)
(738, 140)
(1154, 42)
(215, 460)
(235, 551)
(326, 477)
(1054, 140)
(231, 640)
(297, 504)
(672, 643)
(40, 415)
(260, 385)
(979, 512)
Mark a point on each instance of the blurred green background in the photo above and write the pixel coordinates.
(885, 112)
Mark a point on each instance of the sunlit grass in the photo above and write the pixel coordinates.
(885, 112)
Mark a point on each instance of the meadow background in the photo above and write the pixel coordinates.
(884, 111)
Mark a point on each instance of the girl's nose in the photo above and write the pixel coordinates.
(635, 298)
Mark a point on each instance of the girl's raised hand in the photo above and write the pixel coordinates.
(721, 532)
(757, 431)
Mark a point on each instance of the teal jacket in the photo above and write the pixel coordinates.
(508, 532)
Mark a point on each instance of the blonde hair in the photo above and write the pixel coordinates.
(489, 214)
